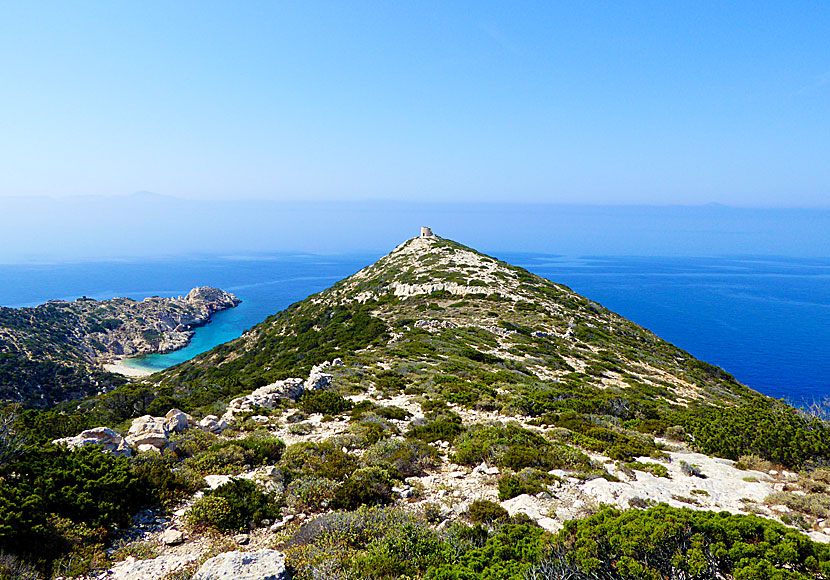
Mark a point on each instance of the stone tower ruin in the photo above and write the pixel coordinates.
(427, 232)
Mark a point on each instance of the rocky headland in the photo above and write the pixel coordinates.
(53, 351)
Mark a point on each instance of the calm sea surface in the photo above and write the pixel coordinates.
(766, 320)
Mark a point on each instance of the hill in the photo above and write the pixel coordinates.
(448, 320)
(439, 415)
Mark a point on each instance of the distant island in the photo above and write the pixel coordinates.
(63, 350)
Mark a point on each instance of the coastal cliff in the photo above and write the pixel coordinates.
(55, 351)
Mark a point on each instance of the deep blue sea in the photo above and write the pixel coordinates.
(766, 320)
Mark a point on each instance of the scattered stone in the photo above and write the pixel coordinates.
(259, 565)
(171, 537)
(242, 539)
(213, 424)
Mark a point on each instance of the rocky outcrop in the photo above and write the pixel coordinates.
(106, 438)
(269, 396)
(259, 565)
(147, 433)
(213, 424)
(100, 329)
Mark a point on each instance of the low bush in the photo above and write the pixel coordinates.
(324, 402)
(405, 457)
(230, 457)
(167, 482)
(370, 542)
(310, 493)
(513, 446)
(371, 428)
(367, 486)
(484, 511)
(237, 505)
(507, 555)
(53, 500)
(318, 460)
(656, 469)
(664, 542)
(816, 504)
(767, 428)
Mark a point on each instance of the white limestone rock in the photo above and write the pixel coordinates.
(259, 565)
(171, 537)
(534, 509)
(106, 438)
(177, 421)
(268, 396)
(213, 424)
(147, 431)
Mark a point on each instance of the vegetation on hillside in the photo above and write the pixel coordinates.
(561, 379)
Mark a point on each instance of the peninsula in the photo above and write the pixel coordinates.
(59, 350)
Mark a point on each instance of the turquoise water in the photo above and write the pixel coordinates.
(764, 319)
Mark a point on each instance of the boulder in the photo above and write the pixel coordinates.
(317, 379)
(171, 537)
(214, 481)
(109, 440)
(213, 424)
(147, 431)
(176, 421)
(259, 565)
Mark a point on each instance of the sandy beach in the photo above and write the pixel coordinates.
(120, 368)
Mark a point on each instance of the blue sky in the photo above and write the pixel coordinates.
(621, 103)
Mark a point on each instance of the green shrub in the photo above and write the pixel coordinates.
(229, 457)
(390, 382)
(442, 424)
(405, 457)
(488, 512)
(816, 504)
(53, 500)
(655, 469)
(167, 485)
(367, 486)
(386, 412)
(505, 556)
(769, 429)
(310, 493)
(371, 428)
(370, 542)
(192, 442)
(408, 552)
(513, 446)
(318, 460)
(324, 402)
(664, 542)
(236, 505)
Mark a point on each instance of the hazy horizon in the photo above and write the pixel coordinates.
(41, 229)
